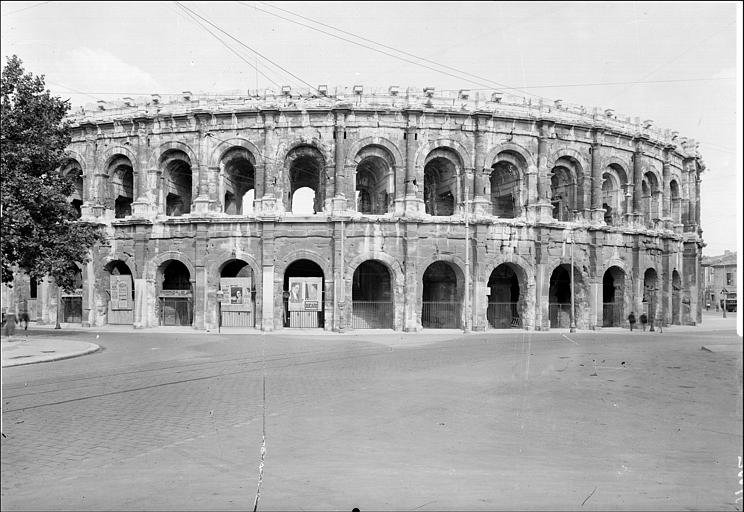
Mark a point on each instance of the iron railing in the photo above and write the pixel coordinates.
(560, 315)
(72, 310)
(503, 315)
(176, 311)
(441, 315)
(371, 314)
(303, 319)
(613, 314)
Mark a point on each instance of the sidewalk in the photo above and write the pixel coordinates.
(19, 349)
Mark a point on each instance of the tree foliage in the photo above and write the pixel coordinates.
(39, 227)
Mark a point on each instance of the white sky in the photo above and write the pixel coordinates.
(677, 61)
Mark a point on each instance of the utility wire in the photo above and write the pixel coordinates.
(248, 47)
(227, 95)
(202, 25)
(381, 51)
(25, 8)
(394, 49)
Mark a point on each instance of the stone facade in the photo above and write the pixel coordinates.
(440, 210)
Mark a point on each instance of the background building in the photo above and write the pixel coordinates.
(411, 209)
(720, 281)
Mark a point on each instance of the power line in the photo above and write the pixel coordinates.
(246, 46)
(384, 52)
(25, 8)
(384, 45)
(192, 17)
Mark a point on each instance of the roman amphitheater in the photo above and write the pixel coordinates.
(394, 209)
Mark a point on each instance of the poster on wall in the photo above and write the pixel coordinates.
(305, 293)
(121, 292)
(236, 293)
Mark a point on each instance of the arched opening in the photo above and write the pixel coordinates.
(612, 195)
(505, 190)
(238, 178)
(175, 294)
(442, 297)
(74, 173)
(675, 202)
(304, 295)
(305, 169)
(303, 201)
(122, 186)
(176, 168)
(238, 304)
(563, 190)
(373, 179)
(613, 297)
(119, 288)
(504, 298)
(440, 183)
(676, 298)
(372, 297)
(650, 290)
(559, 297)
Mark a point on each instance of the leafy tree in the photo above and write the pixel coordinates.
(39, 227)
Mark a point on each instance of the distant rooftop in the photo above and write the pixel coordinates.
(727, 258)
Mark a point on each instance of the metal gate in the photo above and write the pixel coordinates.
(560, 315)
(303, 319)
(503, 315)
(176, 311)
(441, 315)
(612, 314)
(371, 314)
(72, 309)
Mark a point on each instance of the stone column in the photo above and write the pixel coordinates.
(543, 206)
(480, 194)
(414, 204)
(638, 178)
(411, 306)
(597, 214)
(271, 308)
(338, 202)
(201, 202)
(271, 171)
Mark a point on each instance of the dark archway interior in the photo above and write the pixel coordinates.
(237, 268)
(122, 186)
(608, 287)
(239, 179)
(560, 286)
(177, 183)
(440, 179)
(504, 285)
(176, 276)
(440, 283)
(504, 190)
(118, 268)
(371, 186)
(371, 282)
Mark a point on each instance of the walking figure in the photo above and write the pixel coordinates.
(644, 321)
(631, 320)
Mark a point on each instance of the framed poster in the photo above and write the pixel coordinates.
(120, 290)
(305, 293)
(236, 293)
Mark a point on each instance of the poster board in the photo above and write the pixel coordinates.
(120, 288)
(236, 293)
(305, 293)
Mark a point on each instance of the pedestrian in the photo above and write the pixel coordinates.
(658, 327)
(644, 321)
(24, 320)
(631, 320)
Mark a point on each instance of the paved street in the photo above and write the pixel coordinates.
(436, 421)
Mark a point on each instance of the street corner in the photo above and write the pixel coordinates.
(22, 350)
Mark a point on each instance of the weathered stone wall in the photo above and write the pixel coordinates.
(404, 142)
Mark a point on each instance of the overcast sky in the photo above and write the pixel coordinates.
(673, 62)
